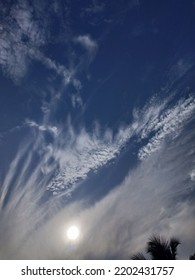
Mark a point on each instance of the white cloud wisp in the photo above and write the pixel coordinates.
(149, 199)
(80, 153)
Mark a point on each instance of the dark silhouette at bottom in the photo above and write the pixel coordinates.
(160, 249)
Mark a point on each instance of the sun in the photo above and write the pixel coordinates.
(73, 233)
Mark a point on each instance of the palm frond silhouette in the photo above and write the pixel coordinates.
(192, 257)
(138, 256)
(159, 249)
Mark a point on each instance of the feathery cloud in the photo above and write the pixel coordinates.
(48, 128)
(24, 29)
(165, 123)
(147, 201)
(83, 152)
(151, 193)
(19, 33)
(87, 42)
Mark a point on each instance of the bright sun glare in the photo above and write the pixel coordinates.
(73, 233)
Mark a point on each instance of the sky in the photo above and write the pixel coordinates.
(97, 127)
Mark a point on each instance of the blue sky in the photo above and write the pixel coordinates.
(96, 126)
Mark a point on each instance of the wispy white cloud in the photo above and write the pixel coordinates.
(180, 68)
(77, 153)
(18, 191)
(12, 59)
(22, 13)
(61, 70)
(192, 175)
(148, 201)
(48, 128)
(24, 29)
(19, 33)
(87, 42)
(76, 100)
(82, 152)
(166, 122)
(95, 7)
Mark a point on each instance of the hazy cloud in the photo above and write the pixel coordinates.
(82, 152)
(95, 7)
(55, 158)
(24, 29)
(19, 33)
(52, 129)
(165, 123)
(192, 175)
(87, 42)
(61, 70)
(148, 201)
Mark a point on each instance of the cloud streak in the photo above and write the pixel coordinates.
(48, 128)
(41, 185)
(150, 199)
(79, 153)
(87, 42)
(25, 28)
(19, 33)
(83, 152)
(166, 123)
